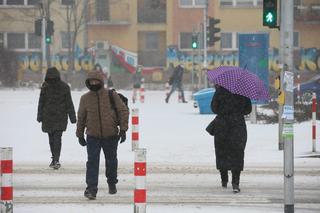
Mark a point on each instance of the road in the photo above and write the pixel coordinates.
(167, 185)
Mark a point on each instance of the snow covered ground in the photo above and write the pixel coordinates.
(173, 134)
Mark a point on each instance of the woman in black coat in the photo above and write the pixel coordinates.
(230, 133)
(54, 107)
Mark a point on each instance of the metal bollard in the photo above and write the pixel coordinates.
(314, 117)
(140, 171)
(142, 91)
(6, 180)
(135, 129)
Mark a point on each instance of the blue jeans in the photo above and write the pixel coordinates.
(109, 147)
(175, 86)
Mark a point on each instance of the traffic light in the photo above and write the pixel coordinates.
(49, 31)
(270, 13)
(212, 31)
(194, 43)
(38, 27)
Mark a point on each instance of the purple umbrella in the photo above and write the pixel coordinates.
(239, 81)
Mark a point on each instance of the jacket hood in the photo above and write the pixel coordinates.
(94, 75)
(52, 73)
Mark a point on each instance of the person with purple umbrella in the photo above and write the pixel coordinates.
(230, 133)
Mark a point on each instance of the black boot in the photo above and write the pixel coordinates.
(52, 163)
(89, 194)
(224, 178)
(235, 180)
(56, 164)
(112, 189)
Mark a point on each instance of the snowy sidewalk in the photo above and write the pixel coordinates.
(184, 186)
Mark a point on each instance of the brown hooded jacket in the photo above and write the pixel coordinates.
(96, 115)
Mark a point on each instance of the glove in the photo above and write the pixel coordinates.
(122, 136)
(82, 141)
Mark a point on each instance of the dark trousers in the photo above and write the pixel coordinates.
(55, 144)
(109, 147)
(173, 88)
(235, 176)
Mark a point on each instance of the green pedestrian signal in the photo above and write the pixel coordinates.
(194, 43)
(270, 13)
(48, 40)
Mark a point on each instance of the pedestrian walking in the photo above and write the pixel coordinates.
(137, 81)
(176, 82)
(98, 118)
(54, 107)
(230, 134)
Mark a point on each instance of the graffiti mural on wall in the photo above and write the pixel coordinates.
(305, 59)
(32, 62)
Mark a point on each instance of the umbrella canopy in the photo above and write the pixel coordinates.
(239, 81)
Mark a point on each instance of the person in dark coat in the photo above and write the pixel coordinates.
(176, 82)
(230, 133)
(54, 107)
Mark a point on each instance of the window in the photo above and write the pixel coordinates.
(15, 2)
(1, 40)
(193, 3)
(65, 36)
(67, 2)
(200, 2)
(151, 41)
(1, 2)
(241, 3)
(16, 41)
(33, 2)
(102, 10)
(226, 41)
(244, 3)
(34, 42)
(296, 38)
(185, 40)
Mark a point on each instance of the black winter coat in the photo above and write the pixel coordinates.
(231, 131)
(177, 75)
(55, 103)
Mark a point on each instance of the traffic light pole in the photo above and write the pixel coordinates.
(205, 23)
(281, 58)
(288, 108)
(44, 58)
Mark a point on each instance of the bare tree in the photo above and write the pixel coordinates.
(75, 17)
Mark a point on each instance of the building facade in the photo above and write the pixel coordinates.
(17, 33)
(120, 34)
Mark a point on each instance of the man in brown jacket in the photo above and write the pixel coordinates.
(97, 117)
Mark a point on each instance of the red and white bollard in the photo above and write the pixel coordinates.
(135, 129)
(140, 171)
(6, 180)
(142, 91)
(298, 89)
(134, 95)
(314, 118)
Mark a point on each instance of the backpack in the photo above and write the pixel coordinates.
(123, 98)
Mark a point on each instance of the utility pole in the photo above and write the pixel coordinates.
(281, 58)
(205, 24)
(43, 40)
(288, 110)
